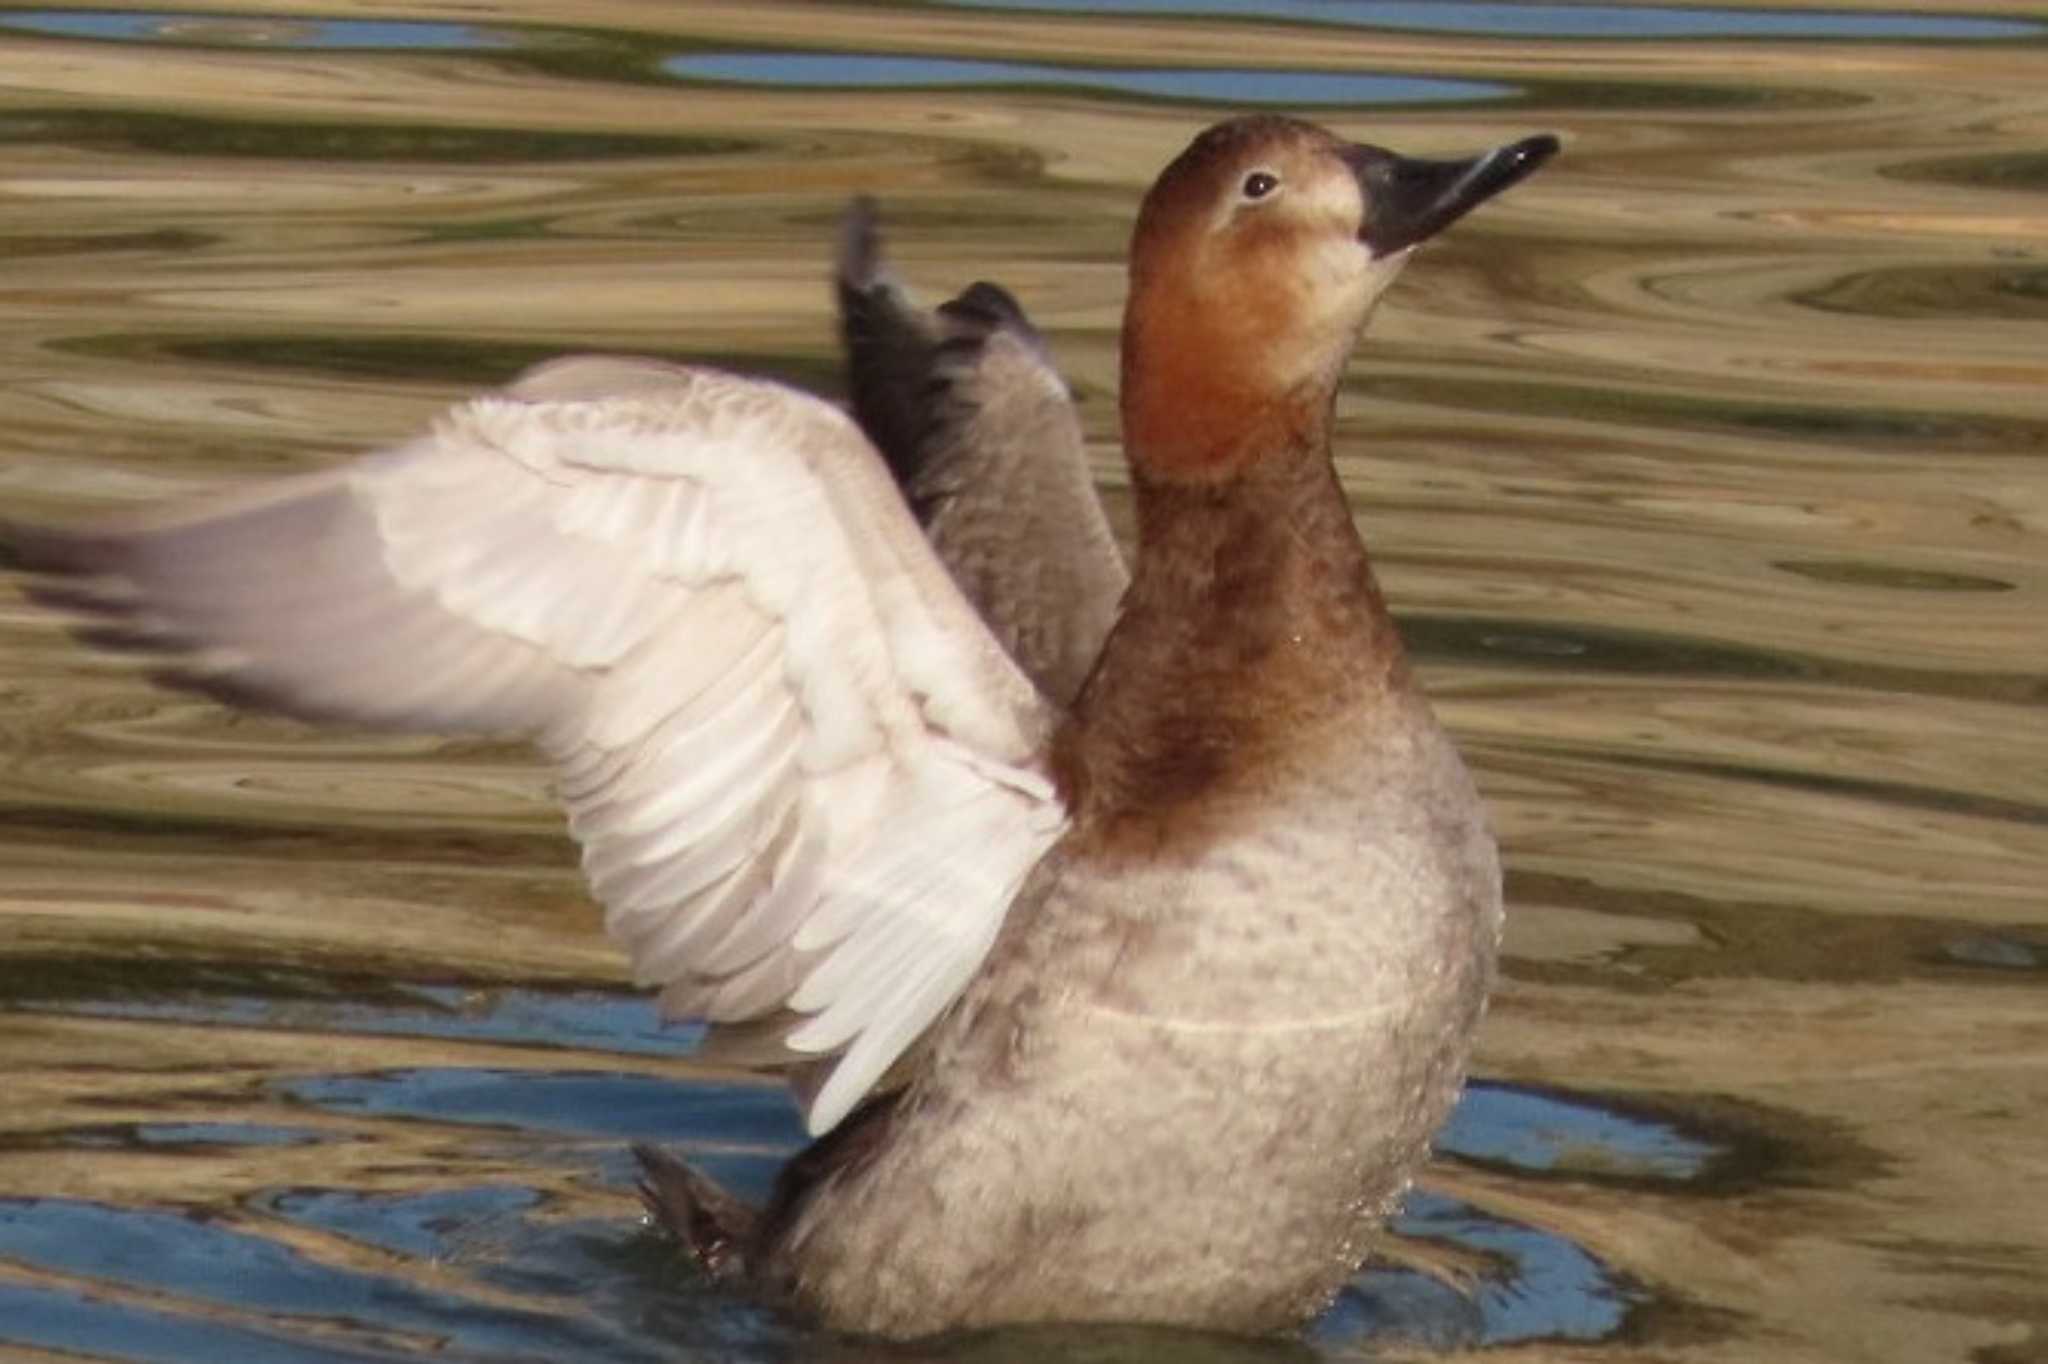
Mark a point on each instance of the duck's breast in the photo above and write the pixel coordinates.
(1284, 1014)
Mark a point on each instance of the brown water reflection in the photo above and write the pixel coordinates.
(1706, 471)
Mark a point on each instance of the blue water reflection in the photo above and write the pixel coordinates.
(199, 1261)
(75, 1322)
(1551, 1288)
(1565, 21)
(627, 1023)
(284, 31)
(1536, 1131)
(1543, 1287)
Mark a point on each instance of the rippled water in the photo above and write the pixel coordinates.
(1706, 471)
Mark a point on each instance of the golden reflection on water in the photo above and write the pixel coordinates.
(1705, 470)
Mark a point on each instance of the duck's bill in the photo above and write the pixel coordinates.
(1409, 200)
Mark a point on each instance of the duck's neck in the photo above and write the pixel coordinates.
(1188, 418)
(1252, 623)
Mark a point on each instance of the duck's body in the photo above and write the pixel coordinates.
(1188, 1085)
(1233, 1002)
(1175, 939)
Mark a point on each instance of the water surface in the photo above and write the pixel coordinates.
(1705, 472)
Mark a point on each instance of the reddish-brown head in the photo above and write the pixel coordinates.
(1257, 257)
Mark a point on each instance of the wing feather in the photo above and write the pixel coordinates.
(979, 429)
(806, 779)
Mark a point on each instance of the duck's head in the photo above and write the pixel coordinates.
(1257, 257)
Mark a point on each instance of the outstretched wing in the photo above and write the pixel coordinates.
(806, 779)
(980, 431)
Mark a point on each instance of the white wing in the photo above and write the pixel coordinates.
(805, 777)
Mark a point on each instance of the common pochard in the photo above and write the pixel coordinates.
(1125, 934)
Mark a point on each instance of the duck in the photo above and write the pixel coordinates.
(1122, 929)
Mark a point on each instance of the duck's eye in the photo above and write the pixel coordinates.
(1259, 184)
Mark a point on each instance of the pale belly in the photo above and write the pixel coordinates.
(1191, 1119)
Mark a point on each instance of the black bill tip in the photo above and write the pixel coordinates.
(1408, 200)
